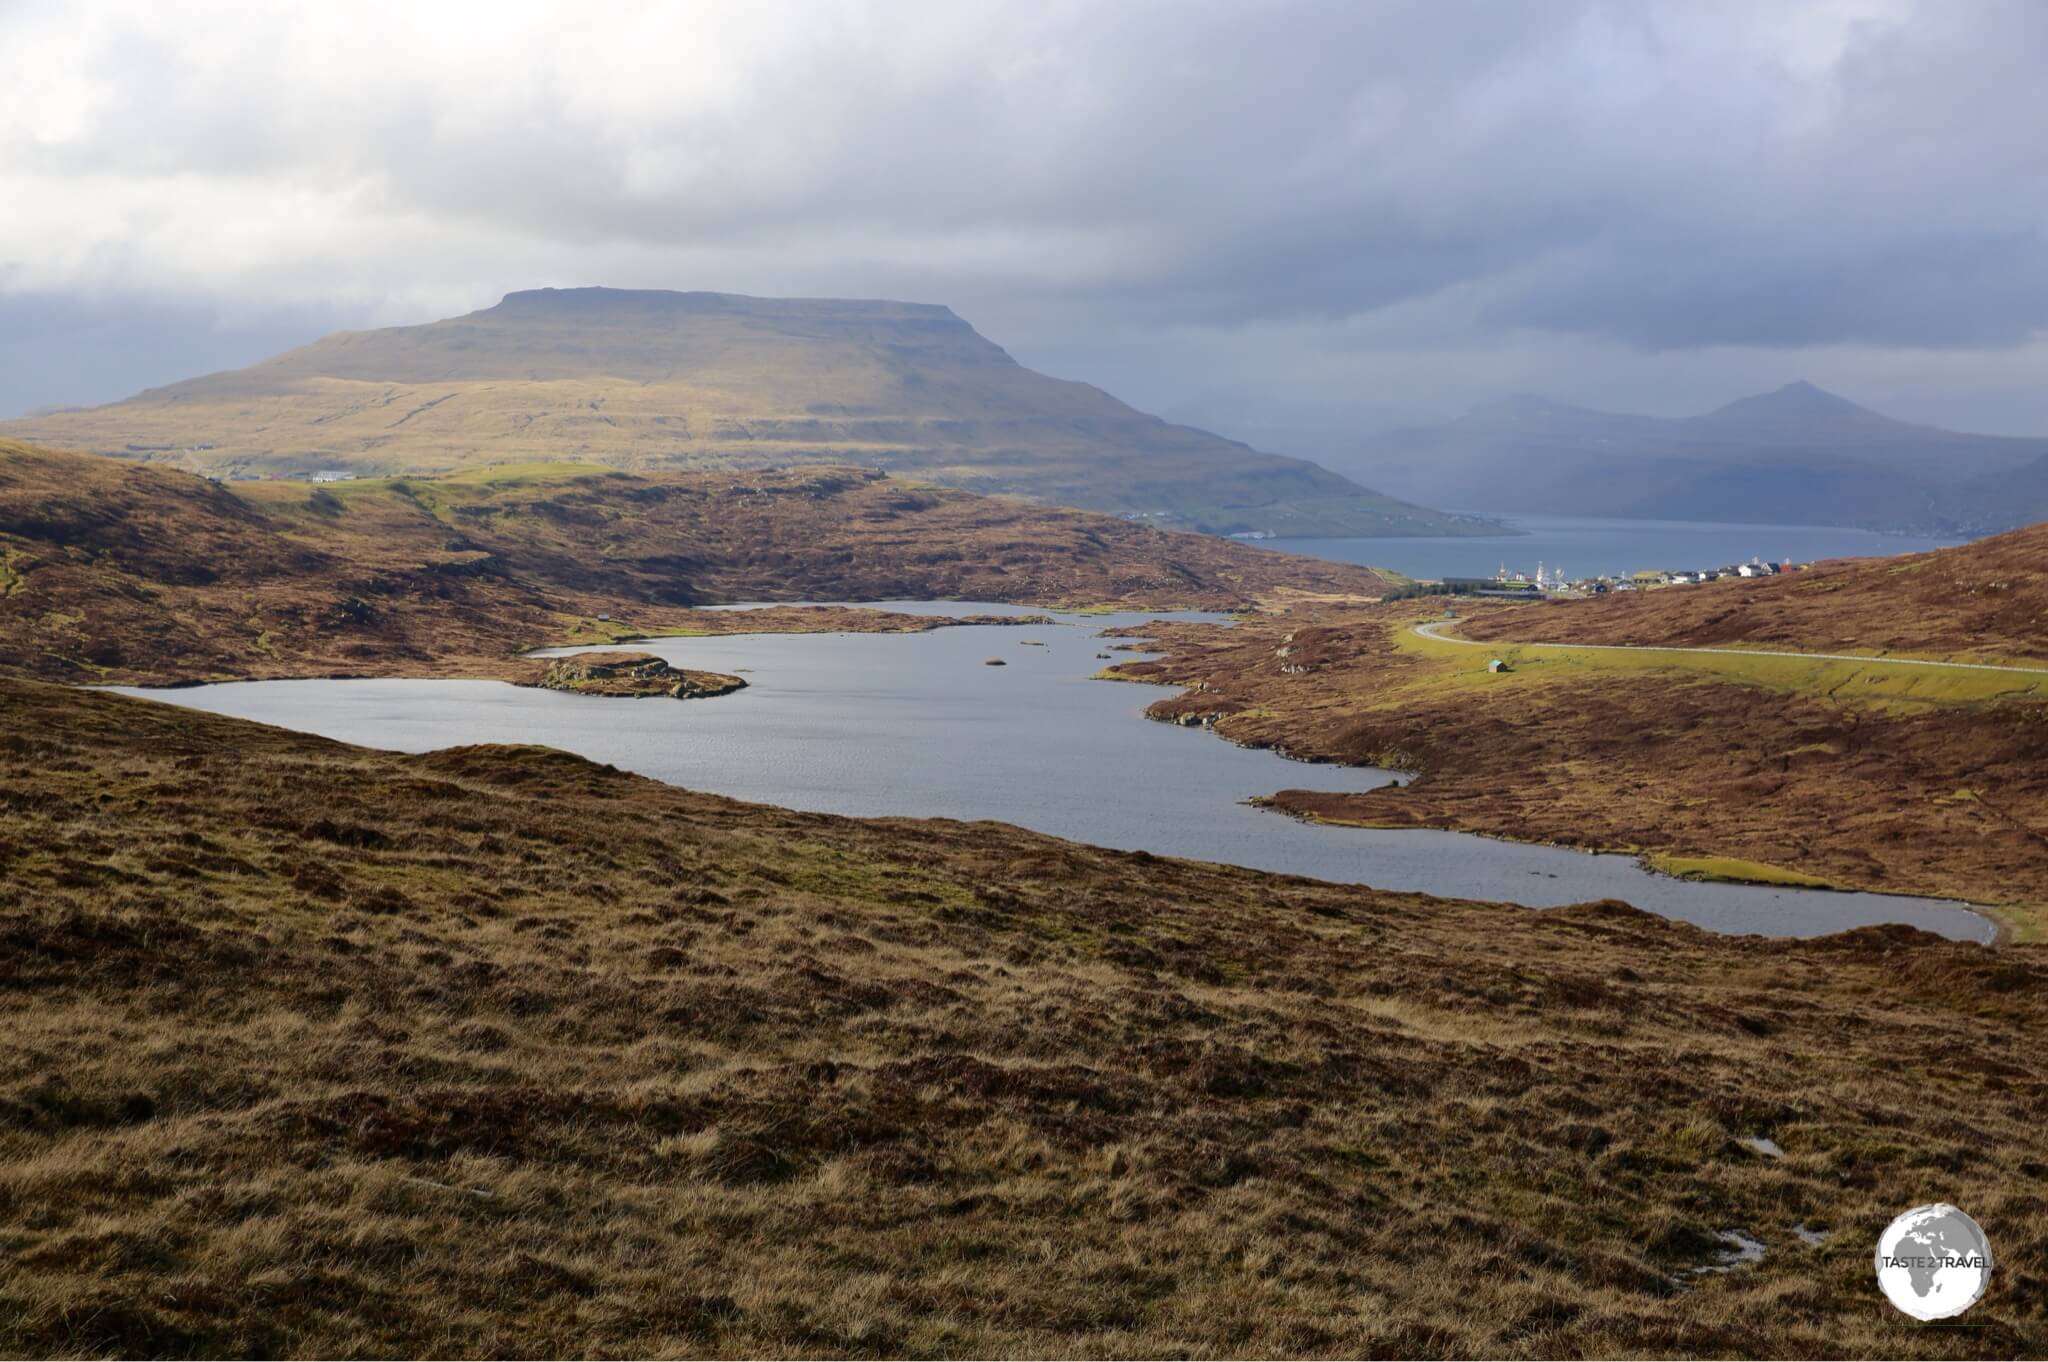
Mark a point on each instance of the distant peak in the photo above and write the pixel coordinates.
(1803, 392)
(1799, 403)
(597, 300)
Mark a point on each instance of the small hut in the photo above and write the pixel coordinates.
(1497, 665)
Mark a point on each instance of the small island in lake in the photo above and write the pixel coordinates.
(635, 675)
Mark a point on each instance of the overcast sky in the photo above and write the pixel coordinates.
(1270, 217)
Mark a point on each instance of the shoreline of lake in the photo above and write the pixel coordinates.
(908, 730)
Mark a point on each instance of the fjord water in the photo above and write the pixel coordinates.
(1589, 546)
(918, 725)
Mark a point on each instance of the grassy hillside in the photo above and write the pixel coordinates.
(1866, 777)
(655, 380)
(1986, 600)
(111, 570)
(315, 1051)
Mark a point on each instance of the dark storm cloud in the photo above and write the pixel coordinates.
(1471, 178)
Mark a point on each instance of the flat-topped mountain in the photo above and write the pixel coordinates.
(647, 379)
(1798, 455)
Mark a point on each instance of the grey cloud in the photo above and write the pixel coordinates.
(1986, 288)
(1658, 178)
(63, 351)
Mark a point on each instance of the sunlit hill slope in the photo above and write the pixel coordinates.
(649, 379)
(111, 570)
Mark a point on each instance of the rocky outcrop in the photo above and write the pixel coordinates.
(634, 675)
(1005, 619)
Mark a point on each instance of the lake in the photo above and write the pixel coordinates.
(917, 725)
(1585, 546)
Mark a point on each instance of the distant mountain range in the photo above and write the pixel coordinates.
(1795, 456)
(649, 379)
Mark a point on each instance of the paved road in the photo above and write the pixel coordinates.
(1431, 629)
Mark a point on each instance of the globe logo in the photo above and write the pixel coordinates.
(1933, 1262)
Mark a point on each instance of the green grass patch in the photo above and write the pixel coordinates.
(577, 631)
(330, 499)
(489, 475)
(1730, 870)
(1883, 682)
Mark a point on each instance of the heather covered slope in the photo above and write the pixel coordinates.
(111, 570)
(314, 1051)
(1858, 775)
(645, 379)
(1986, 600)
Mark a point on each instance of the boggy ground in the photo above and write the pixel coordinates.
(117, 572)
(312, 1050)
(1926, 783)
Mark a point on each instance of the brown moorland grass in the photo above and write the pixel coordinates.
(318, 1051)
(1828, 776)
(1987, 600)
(119, 572)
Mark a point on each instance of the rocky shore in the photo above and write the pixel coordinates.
(634, 675)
